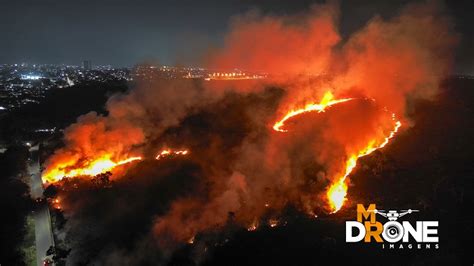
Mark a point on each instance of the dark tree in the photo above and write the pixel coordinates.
(102, 180)
(50, 192)
(15, 204)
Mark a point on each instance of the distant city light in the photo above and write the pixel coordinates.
(31, 77)
(26, 83)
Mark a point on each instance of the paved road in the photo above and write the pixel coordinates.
(43, 232)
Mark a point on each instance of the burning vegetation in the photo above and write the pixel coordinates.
(168, 152)
(98, 166)
(289, 139)
(337, 191)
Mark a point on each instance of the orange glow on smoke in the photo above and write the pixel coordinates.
(336, 194)
(168, 152)
(327, 101)
(100, 165)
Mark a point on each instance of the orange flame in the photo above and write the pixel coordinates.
(96, 166)
(56, 203)
(273, 222)
(168, 152)
(253, 226)
(337, 192)
(327, 101)
(93, 168)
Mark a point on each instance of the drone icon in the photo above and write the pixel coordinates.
(393, 215)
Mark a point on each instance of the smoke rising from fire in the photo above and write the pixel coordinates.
(387, 60)
(250, 171)
(387, 63)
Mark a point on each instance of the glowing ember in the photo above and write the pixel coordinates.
(337, 192)
(253, 226)
(56, 204)
(168, 152)
(327, 101)
(92, 168)
(273, 223)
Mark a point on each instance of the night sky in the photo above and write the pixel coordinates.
(123, 33)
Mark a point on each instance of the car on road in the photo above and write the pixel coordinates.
(48, 261)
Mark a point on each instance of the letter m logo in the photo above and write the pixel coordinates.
(366, 213)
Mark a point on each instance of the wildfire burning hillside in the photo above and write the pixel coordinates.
(327, 101)
(284, 141)
(337, 191)
(92, 168)
(98, 166)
